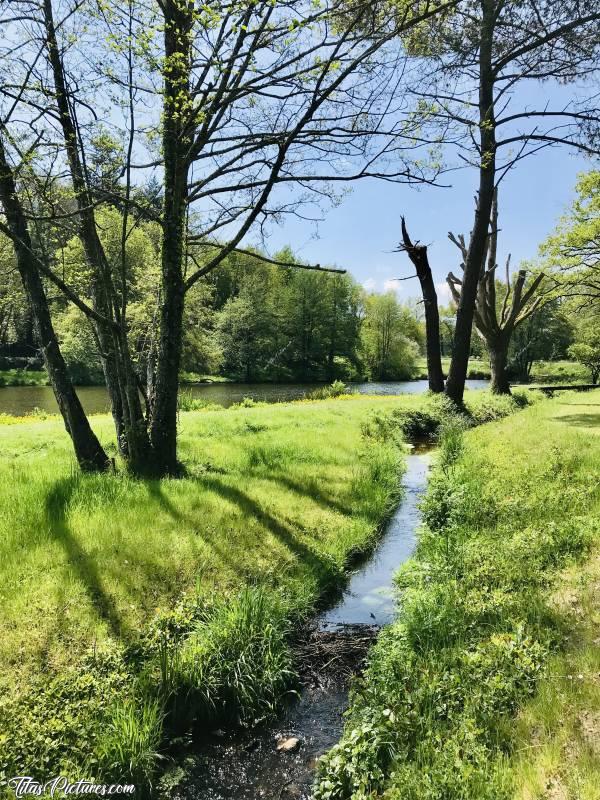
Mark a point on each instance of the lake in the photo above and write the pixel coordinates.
(21, 400)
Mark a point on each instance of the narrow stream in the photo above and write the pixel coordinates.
(248, 765)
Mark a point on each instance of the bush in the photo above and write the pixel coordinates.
(335, 389)
(187, 402)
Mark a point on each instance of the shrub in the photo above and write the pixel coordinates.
(335, 389)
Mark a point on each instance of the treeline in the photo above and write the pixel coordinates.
(251, 320)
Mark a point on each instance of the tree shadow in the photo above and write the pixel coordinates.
(320, 565)
(312, 490)
(157, 494)
(580, 420)
(56, 508)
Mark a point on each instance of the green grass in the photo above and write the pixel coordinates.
(133, 610)
(479, 368)
(23, 377)
(542, 372)
(479, 633)
(564, 372)
(114, 592)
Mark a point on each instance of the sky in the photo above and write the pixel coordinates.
(362, 233)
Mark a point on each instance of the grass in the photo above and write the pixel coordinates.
(23, 377)
(103, 577)
(564, 372)
(542, 372)
(468, 694)
(479, 368)
(132, 611)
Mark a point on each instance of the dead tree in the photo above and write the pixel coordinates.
(496, 326)
(418, 255)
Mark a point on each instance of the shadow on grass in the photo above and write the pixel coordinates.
(56, 508)
(311, 490)
(580, 420)
(323, 567)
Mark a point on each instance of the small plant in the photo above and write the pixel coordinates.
(130, 741)
(335, 389)
(187, 402)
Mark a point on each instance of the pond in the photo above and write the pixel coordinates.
(21, 400)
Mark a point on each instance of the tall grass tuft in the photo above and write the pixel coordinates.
(128, 749)
(235, 666)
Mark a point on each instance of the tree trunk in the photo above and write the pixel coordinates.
(177, 143)
(418, 255)
(455, 385)
(119, 374)
(88, 450)
(498, 362)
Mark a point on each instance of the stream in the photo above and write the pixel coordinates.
(247, 765)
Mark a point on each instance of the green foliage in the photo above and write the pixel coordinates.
(389, 338)
(335, 389)
(129, 743)
(586, 349)
(187, 402)
(234, 666)
(23, 377)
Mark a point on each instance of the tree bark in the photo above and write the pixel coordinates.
(498, 351)
(455, 385)
(177, 142)
(119, 373)
(418, 255)
(88, 450)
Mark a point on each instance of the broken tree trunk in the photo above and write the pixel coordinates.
(418, 255)
(496, 326)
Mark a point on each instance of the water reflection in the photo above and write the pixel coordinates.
(20, 400)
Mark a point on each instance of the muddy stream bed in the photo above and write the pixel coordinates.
(257, 764)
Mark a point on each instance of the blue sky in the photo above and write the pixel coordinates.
(361, 234)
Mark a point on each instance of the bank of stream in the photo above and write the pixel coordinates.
(278, 761)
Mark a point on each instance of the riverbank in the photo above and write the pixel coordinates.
(443, 709)
(129, 607)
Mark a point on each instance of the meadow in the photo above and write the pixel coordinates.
(486, 687)
(132, 611)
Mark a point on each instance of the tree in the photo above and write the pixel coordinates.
(88, 450)
(390, 350)
(545, 335)
(257, 103)
(496, 321)
(418, 255)
(586, 349)
(571, 254)
(478, 59)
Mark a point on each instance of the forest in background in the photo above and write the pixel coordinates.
(257, 320)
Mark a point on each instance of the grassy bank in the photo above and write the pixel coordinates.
(23, 377)
(480, 631)
(132, 611)
(542, 372)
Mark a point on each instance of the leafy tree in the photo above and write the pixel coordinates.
(387, 338)
(586, 349)
(545, 335)
(571, 254)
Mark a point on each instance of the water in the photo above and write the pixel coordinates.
(20, 400)
(369, 597)
(247, 765)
